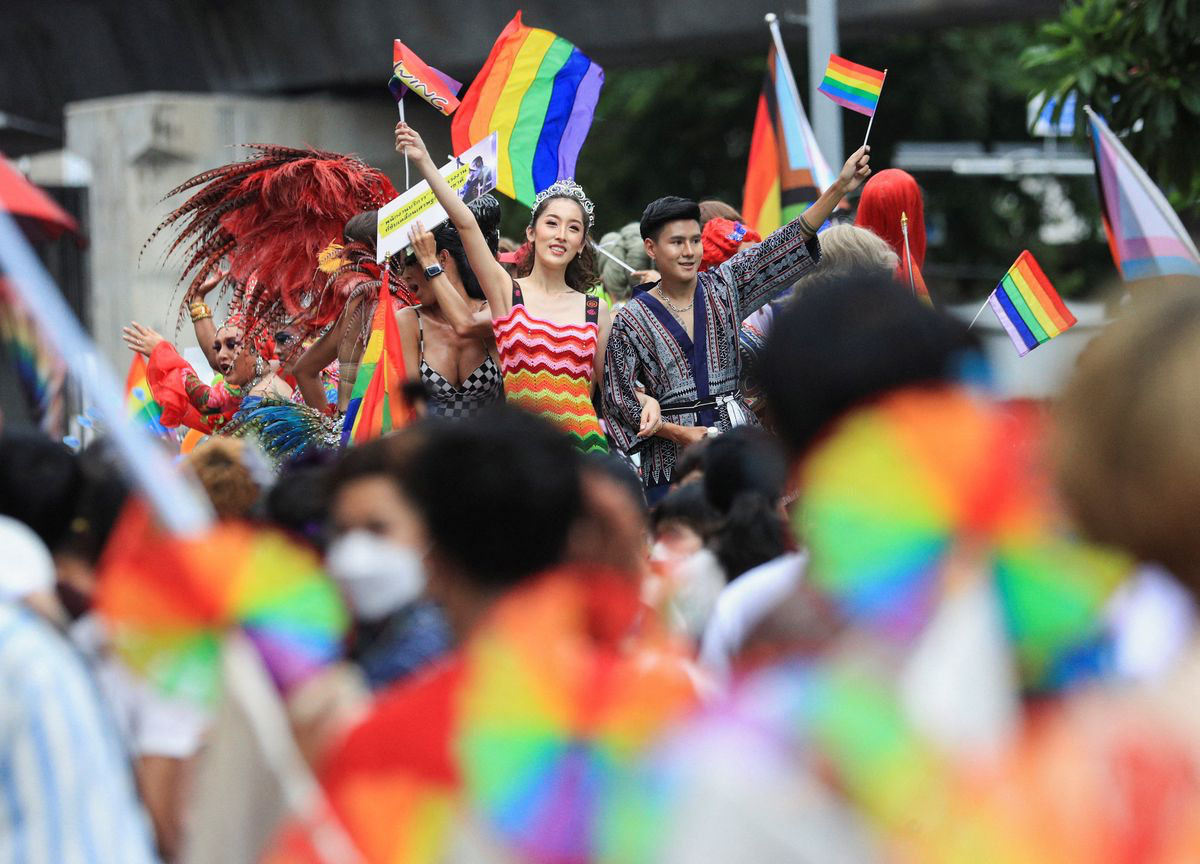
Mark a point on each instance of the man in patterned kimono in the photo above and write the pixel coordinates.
(677, 339)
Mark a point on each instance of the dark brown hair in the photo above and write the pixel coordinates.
(582, 274)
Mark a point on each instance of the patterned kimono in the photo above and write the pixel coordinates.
(695, 380)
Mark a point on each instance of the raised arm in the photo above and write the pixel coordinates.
(202, 320)
(308, 368)
(757, 274)
(493, 278)
(465, 321)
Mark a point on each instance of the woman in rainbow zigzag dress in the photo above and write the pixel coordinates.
(550, 329)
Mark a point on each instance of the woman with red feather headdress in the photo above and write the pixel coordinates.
(258, 226)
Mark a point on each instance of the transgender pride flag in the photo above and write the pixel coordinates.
(1146, 237)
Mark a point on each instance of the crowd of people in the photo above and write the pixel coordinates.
(734, 557)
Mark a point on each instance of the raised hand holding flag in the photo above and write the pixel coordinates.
(853, 86)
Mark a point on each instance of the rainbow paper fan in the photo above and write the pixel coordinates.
(556, 710)
(169, 602)
(930, 486)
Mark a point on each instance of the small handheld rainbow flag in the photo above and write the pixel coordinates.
(539, 93)
(853, 86)
(140, 405)
(377, 404)
(1028, 307)
(410, 72)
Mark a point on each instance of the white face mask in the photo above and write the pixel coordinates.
(377, 576)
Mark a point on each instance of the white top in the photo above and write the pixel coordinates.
(742, 606)
(149, 723)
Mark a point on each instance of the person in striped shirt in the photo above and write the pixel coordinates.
(66, 789)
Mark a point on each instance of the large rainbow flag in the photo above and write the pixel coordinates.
(1145, 236)
(786, 171)
(377, 404)
(539, 93)
(852, 85)
(1028, 307)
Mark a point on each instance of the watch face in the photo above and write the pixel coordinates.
(432, 270)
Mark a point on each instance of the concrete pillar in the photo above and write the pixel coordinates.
(141, 146)
(826, 115)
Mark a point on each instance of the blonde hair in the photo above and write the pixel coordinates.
(846, 248)
(220, 464)
(1127, 451)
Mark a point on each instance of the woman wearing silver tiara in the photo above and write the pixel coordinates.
(550, 329)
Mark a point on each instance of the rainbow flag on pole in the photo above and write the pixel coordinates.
(786, 171)
(1028, 307)
(377, 404)
(140, 404)
(539, 93)
(1145, 236)
(852, 86)
(410, 72)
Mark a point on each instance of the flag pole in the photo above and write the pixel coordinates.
(872, 120)
(912, 282)
(980, 312)
(608, 254)
(400, 105)
(773, 22)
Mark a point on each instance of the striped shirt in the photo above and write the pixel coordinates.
(66, 790)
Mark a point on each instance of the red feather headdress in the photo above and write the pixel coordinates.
(271, 216)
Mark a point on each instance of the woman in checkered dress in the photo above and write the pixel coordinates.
(459, 371)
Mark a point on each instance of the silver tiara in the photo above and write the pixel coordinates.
(567, 189)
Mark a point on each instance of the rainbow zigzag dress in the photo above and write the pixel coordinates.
(548, 369)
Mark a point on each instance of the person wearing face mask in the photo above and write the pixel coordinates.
(245, 365)
(377, 558)
(550, 327)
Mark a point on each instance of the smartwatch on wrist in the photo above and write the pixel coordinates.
(433, 269)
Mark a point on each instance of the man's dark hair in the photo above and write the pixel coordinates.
(849, 340)
(40, 483)
(669, 209)
(298, 502)
(689, 505)
(744, 475)
(499, 493)
(101, 501)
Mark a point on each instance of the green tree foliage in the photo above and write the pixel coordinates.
(1137, 62)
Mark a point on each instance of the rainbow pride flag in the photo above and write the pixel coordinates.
(38, 370)
(539, 93)
(1145, 236)
(786, 171)
(1028, 307)
(377, 404)
(852, 86)
(140, 405)
(410, 72)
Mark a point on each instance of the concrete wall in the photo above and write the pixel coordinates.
(139, 147)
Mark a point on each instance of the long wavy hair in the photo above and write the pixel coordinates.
(582, 274)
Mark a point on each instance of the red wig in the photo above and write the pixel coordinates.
(884, 197)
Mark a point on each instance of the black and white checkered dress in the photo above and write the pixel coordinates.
(483, 387)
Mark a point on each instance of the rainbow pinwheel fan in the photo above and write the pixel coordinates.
(169, 602)
(927, 484)
(552, 718)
